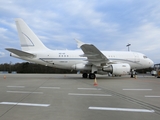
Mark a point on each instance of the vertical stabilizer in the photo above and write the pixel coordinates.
(29, 41)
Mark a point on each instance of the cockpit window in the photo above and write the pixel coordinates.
(144, 56)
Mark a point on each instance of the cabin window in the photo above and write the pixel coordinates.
(144, 56)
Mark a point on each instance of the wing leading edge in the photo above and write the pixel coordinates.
(94, 55)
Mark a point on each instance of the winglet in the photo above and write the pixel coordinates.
(79, 43)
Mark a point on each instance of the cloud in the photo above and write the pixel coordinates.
(1, 54)
(110, 25)
(2, 31)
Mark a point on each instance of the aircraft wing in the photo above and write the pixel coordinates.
(94, 55)
(20, 53)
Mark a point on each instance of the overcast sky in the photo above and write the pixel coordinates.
(108, 24)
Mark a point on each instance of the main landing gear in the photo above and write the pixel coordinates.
(91, 75)
(85, 75)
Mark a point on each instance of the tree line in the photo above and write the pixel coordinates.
(27, 67)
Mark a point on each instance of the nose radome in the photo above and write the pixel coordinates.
(151, 63)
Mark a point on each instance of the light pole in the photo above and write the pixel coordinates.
(128, 46)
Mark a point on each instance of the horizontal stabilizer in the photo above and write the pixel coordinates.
(20, 53)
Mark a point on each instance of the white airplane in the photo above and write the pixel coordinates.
(89, 60)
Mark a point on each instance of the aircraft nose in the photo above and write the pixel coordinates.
(151, 63)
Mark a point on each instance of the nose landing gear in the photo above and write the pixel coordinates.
(133, 74)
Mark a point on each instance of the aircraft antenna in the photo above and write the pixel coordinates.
(128, 46)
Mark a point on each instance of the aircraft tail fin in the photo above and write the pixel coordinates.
(28, 40)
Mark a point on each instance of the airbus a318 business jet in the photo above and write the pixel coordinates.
(89, 60)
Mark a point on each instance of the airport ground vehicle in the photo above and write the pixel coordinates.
(153, 72)
(158, 73)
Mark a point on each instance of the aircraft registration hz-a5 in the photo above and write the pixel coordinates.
(89, 60)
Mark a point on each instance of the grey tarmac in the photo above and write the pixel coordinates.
(70, 97)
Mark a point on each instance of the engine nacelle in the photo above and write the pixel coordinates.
(81, 66)
(117, 69)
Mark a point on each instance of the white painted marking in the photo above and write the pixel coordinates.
(120, 109)
(25, 104)
(88, 94)
(50, 87)
(17, 86)
(88, 88)
(138, 89)
(152, 96)
(24, 92)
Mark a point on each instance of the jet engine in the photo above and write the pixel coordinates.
(81, 66)
(117, 69)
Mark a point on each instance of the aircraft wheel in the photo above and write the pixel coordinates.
(92, 76)
(85, 75)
